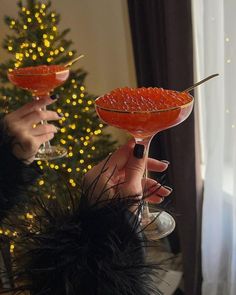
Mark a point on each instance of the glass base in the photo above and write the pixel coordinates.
(159, 225)
(50, 153)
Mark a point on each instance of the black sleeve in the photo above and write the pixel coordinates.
(15, 176)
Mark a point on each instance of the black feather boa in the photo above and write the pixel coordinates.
(78, 248)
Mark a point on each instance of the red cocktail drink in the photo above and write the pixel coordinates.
(144, 113)
(39, 80)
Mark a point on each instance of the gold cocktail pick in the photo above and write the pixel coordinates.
(73, 61)
(200, 82)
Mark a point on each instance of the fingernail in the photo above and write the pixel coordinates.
(61, 115)
(169, 188)
(54, 96)
(138, 151)
(166, 162)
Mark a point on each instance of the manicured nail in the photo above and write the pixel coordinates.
(54, 96)
(169, 188)
(138, 151)
(166, 162)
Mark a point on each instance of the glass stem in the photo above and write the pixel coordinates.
(145, 212)
(46, 145)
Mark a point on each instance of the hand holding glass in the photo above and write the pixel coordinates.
(40, 81)
(143, 112)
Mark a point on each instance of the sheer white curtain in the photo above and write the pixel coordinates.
(215, 50)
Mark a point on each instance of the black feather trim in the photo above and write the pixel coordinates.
(78, 248)
(15, 176)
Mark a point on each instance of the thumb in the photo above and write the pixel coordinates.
(134, 171)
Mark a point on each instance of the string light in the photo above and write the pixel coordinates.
(47, 43)
(29, 216)
(12, 248)
(41, 182)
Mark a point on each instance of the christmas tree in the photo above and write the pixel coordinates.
(35, 39)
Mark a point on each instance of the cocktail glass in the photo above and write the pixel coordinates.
(143, 112)
(41, 81)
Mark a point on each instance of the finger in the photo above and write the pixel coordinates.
(156, 165)
(134, 171)
(43, 138)
(38, 116)
(42, 129)
(32, 106)
(151, 186)
(154, 192)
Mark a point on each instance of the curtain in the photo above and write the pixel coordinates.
(163, 49)
(215, 40)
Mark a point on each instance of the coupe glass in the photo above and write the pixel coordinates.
(41, 81)
(143, 112)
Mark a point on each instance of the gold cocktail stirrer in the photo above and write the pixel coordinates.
(200, 82)
(73, 61)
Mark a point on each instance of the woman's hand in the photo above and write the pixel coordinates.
(23, 131)
(123, 171)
